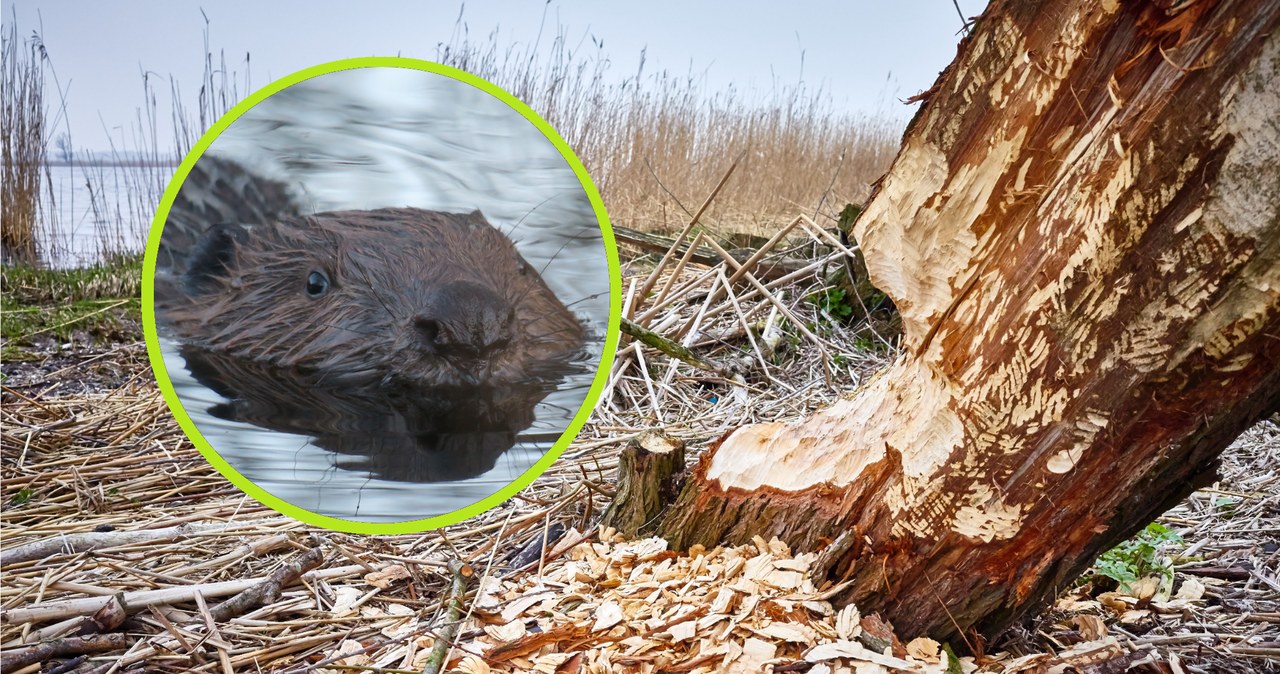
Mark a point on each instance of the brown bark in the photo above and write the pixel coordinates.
(648, 470)
(268, 590)
(1082, 234)
(60, 648)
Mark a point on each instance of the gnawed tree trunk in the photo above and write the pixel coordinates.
(1082, 233)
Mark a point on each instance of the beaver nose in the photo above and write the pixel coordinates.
(465, 322)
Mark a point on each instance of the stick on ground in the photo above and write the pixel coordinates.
(16, 659)
(462, 573)
(674, 350)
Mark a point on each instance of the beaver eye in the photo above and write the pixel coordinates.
(317, 284)
(523, 267)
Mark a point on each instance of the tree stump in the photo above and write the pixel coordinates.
(648, 470)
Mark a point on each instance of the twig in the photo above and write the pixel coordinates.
(73, 543)
(14, 659)
(799, 325)
(673, 349)
(138, 600)
(462, 573)
(769, 245)
(671, 280)
(269, 590)
(653, 276)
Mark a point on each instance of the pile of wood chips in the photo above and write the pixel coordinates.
(636, 606)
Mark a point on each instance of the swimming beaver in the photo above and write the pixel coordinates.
(388, 296)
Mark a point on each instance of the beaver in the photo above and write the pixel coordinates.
(401, 296)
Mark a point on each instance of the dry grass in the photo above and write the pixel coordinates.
(656, 144)
(87, 445)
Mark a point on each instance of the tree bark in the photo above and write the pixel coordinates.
(1082, 234)
(648, 471)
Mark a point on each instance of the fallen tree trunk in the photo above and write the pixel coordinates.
(1082, 233)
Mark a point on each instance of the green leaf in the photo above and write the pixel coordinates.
(21, 498)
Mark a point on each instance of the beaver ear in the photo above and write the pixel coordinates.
(477, 218)
(212, 257)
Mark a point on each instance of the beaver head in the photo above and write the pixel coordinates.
(388, 296)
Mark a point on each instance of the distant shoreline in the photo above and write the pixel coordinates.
(143, 163)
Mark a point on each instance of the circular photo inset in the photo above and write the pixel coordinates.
(380, 292)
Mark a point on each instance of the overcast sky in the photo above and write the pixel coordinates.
(864, 55)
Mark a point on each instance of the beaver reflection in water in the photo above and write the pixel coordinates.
(393, 296)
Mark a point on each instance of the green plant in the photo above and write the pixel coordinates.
(21, 498)
(833, 301)
(1138, 557)
(1226, 505)
(101, 302)
(953, 663)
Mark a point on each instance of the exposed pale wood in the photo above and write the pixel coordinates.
(1082, 234)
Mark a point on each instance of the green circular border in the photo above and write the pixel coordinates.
(410, 526)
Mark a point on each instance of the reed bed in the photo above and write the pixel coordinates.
(115, 499)
(124, 184)
(104, 496)
(656, 143)
(23, 142)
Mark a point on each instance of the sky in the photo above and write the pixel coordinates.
(865, 56)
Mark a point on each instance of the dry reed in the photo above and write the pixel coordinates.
(653, 143)
(24, 142)
(79, 457)
(125, 188)
(123, 185)
(657, 143)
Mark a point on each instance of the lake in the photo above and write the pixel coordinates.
(89, 211)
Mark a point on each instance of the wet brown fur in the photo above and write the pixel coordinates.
(252, 302)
